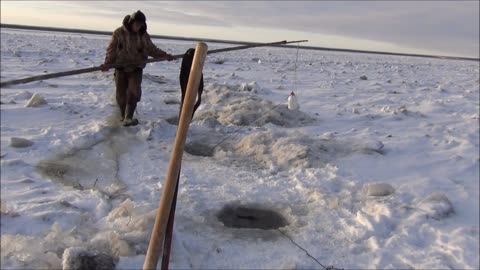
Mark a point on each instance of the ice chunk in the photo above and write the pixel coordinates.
(374, 145)
(251, 86)
(28, 252)
(235, 105)
(36, 101)
(210, 122)
(23, 95)
(369, 146)
(76, 258)
(123, 210)
(379, 189)
(20, 142)
(437, 206)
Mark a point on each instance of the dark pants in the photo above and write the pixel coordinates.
(129, 89)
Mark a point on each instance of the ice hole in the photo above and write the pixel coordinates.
(251, 218)
(199, 149)
(172, 101)
(173, 120)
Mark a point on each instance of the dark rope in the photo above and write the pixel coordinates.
(331, 267)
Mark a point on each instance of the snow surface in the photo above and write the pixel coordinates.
(378, 169)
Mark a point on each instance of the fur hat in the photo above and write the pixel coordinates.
(137, 16)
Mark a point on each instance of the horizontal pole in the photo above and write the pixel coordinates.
(254, 45)
(152, 60)
(74, 72)
(109, 33)
(94, 32)
(380, 53)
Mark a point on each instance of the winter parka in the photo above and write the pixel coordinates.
(127, 46)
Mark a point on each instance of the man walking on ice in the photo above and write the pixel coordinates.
(131, 43)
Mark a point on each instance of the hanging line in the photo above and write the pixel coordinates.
(295, 71)
(265, 113)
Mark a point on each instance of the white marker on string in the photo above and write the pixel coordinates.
(292, 102)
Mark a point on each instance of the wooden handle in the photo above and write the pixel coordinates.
(155, 248)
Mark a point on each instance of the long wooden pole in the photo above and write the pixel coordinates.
(97, 68)
(157, 238)
(167, 245)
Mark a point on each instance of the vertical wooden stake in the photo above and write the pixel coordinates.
(155, 247)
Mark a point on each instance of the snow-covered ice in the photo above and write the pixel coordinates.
(378, 169)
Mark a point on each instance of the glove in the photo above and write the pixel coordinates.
(104, 68)
(170, 57)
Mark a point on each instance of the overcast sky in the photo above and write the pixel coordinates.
(432, 27)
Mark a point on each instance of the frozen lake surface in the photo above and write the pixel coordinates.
(378, 169)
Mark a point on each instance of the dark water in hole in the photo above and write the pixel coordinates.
(199, 149)
(173, 120)
(251, 217)
(172, 101)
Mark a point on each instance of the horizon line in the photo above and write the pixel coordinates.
(109, 33)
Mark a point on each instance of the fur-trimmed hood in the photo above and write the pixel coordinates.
(136, 16)
(129, 47)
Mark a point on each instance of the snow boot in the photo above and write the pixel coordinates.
(129, 120)
(122, 112)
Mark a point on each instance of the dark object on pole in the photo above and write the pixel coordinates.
(185, 74)
(156, 244)
(101, 67)
(183, 78)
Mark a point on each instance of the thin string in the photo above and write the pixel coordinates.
(295, 71)
(331, 267)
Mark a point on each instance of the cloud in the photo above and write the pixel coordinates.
(449, 26)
